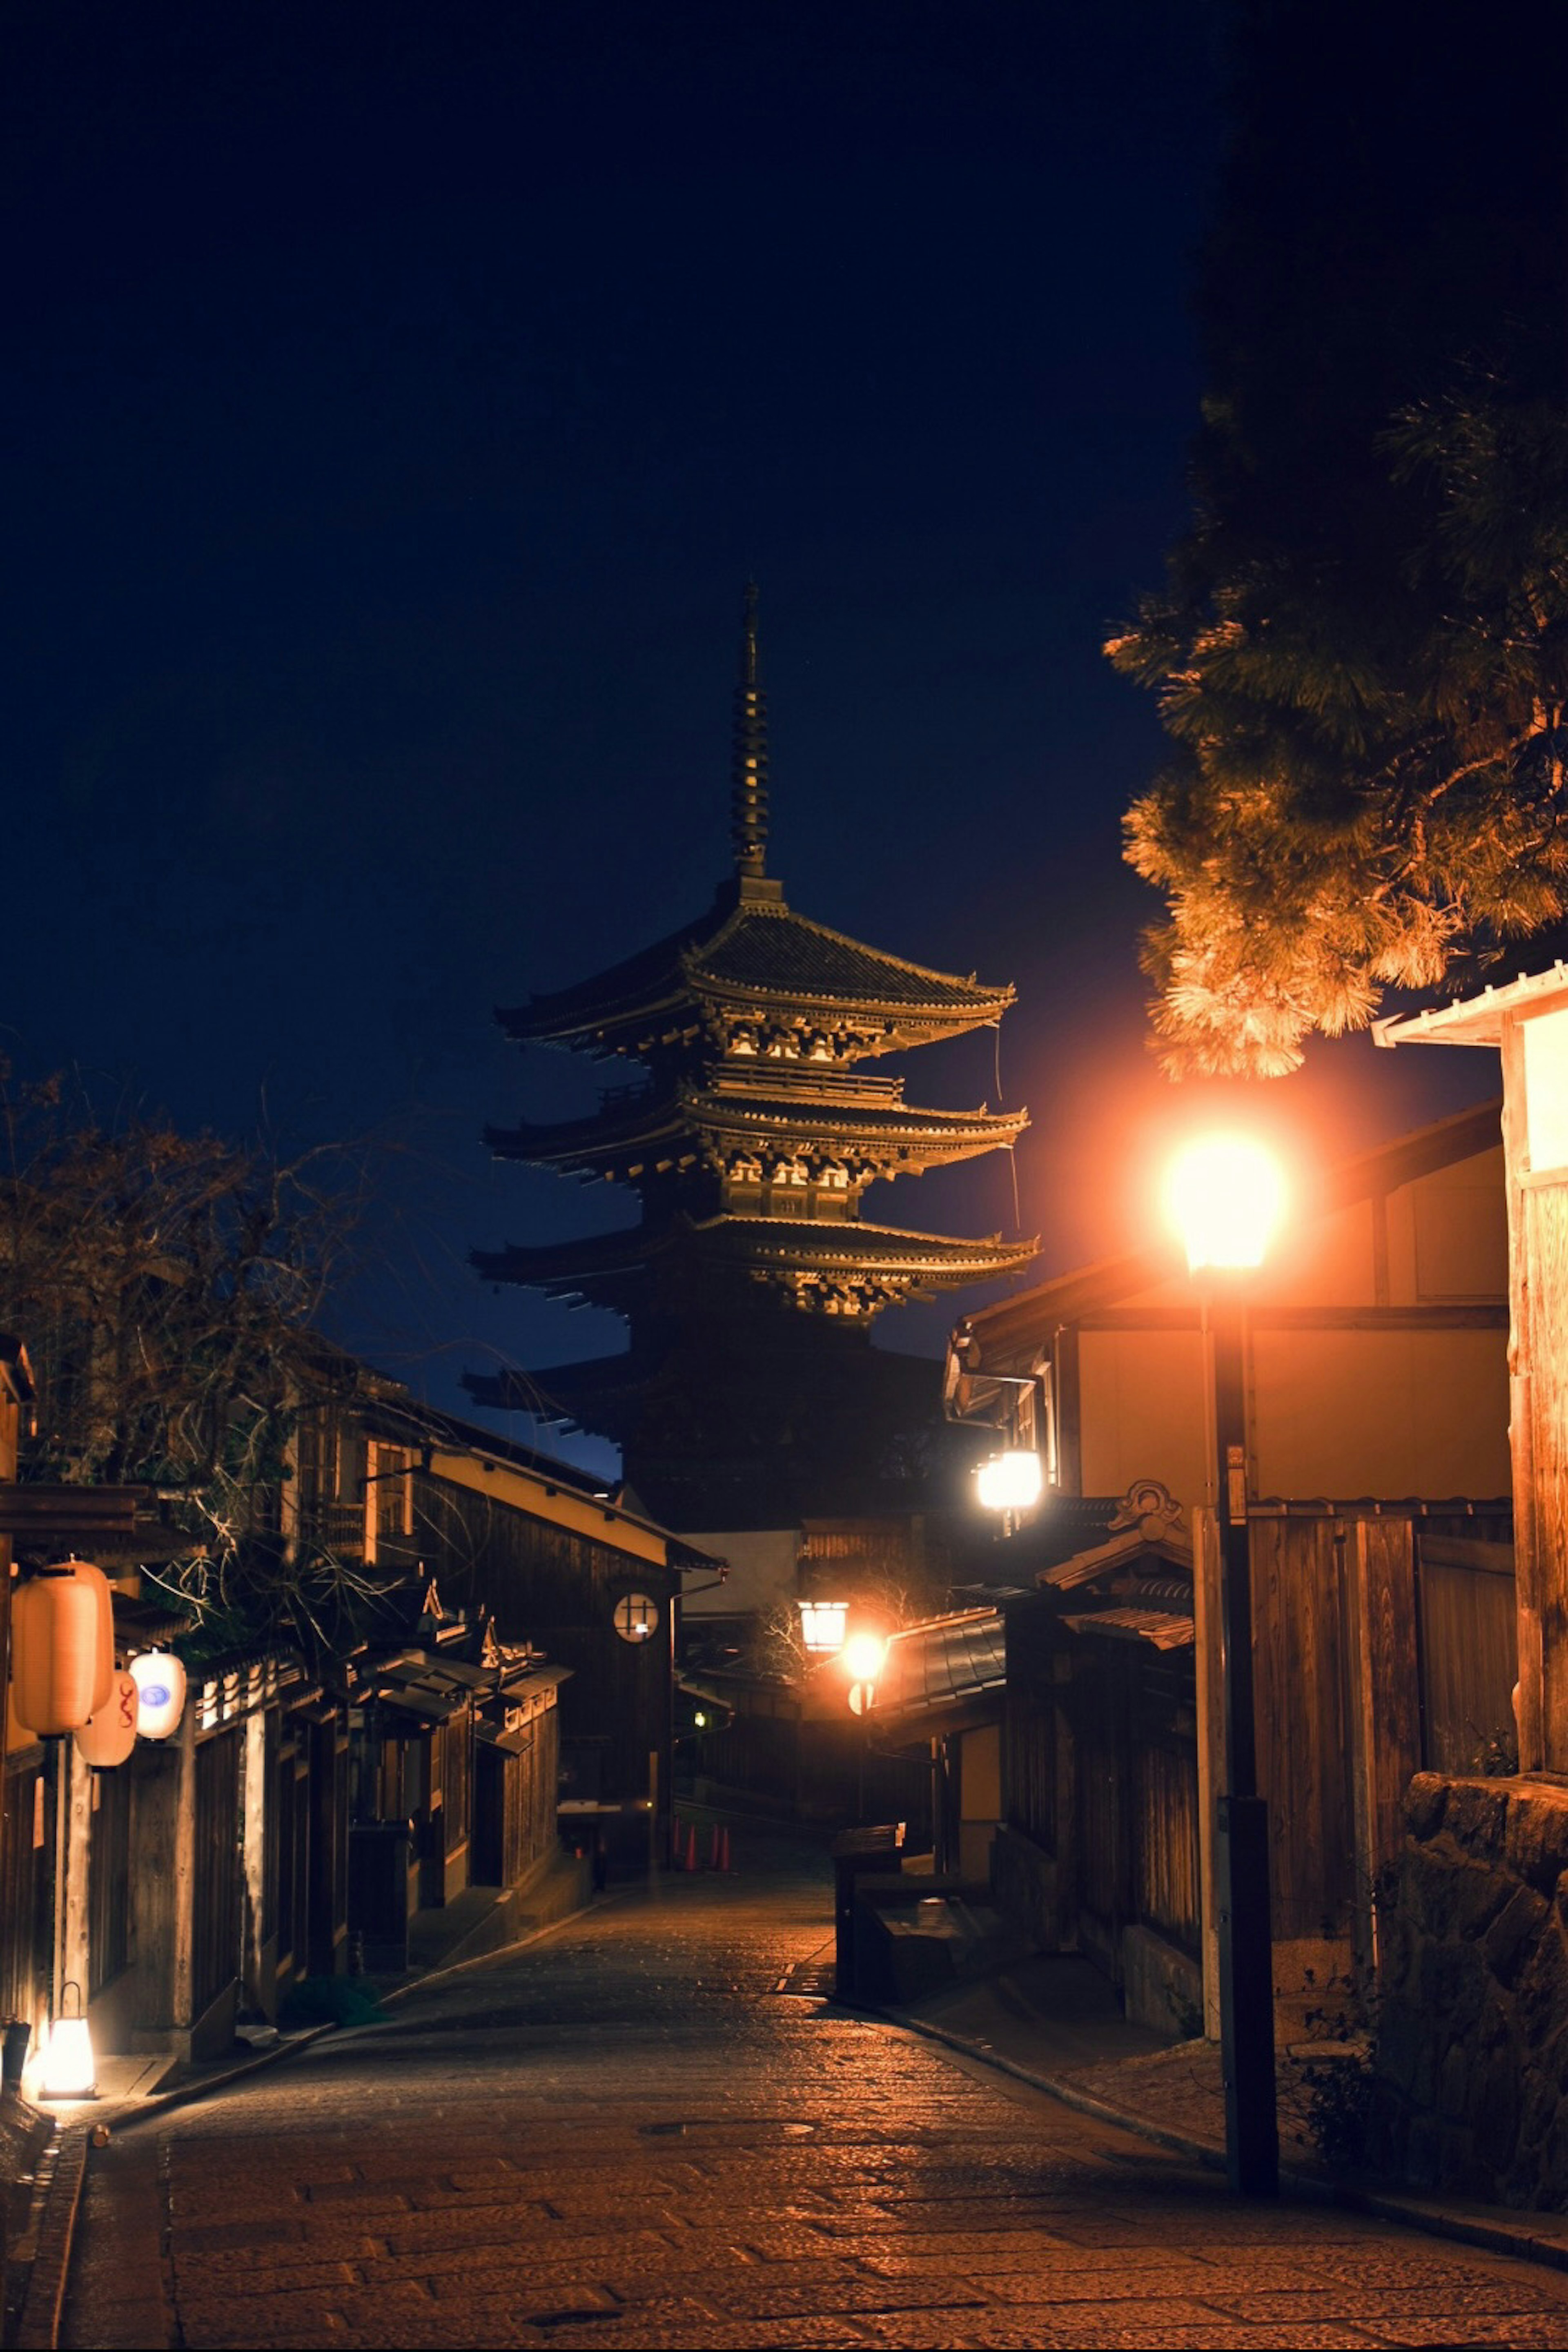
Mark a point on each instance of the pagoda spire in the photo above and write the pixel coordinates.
(749, 765)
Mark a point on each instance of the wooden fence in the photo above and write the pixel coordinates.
(1468, 1647)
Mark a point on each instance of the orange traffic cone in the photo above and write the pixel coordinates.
(691, 1861)
(723, 1856)
(713, 1861)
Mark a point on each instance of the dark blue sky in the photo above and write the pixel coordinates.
(399, 397)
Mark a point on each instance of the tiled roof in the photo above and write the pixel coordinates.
(1161, 1627)
(652, 1119)
(943, 1662)
(779, 953)
(757, 947)
(851, 1243)
(782, 1242)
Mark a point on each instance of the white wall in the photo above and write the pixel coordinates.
(762, 1572)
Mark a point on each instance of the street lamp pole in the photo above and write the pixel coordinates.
(1225, 1197)
(1241, 1846)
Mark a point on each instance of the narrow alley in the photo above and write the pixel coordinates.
(622, 2137)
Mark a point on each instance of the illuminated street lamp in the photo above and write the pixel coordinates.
(1012, 1481)
(822, 1624)
(863, 1656)
(1226, 1197)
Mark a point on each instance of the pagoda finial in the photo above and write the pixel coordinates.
(749, 766)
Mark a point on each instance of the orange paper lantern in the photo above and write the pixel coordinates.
(62, 1647)
(111, 1734)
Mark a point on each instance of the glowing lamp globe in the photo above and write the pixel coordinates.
(110, 1734)
(864, 1656)
(62, 1647)
(1226, 1197)
(161, 1683)
(69, 2071)
(822, 1626)
(1010, 1481)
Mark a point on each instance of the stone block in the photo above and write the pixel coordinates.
(1428, 1889)
(1456, 2156)
(1402, 2038)
(1494, 2028)
(1510, 1939)
(1422, 2152)
(1552, 2179)
(1535, 1843)
(1478, 1893)
(1541, 1991)
(1453, 1983)
(1499, 2110)
(1456, 2076)
(1475, 1817)
(1399, 1945)
(1425, 1800)
(1542, 2101)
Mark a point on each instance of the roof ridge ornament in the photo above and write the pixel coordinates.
(749, 761)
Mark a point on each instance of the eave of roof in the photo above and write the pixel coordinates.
(750, 946)
(1476, 1020)
(693, 1117)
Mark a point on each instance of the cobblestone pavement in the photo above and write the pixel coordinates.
(620, 2138)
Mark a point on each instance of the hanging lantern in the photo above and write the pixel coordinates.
(161, 1681)
(111, 1734)
(62, 1646)
(70, 2070)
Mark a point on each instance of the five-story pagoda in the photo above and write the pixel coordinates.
(750, 1394)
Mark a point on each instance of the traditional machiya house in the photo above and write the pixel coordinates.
(1476, 1981)
(751, 1397)
(1378, 1480)
(455, 1751)
(552, 1560)
(309, 1814)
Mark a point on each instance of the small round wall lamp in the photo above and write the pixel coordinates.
(636, 1617)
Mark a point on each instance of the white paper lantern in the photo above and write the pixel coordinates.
(161, 1681)
(62, 1647)
(111, 1734)
(69, 2071)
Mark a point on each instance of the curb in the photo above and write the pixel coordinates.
(1496, 2234)
(38, 2328)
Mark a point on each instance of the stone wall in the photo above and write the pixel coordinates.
(1472, 2069)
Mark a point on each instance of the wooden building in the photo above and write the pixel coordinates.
(751, 1395)
(1379, 1380)
(1378, 1333)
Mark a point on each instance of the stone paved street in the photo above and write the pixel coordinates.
(620, 2138)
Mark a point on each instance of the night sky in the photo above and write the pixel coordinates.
(398, 398)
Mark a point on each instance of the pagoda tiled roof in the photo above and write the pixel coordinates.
(753, 948)
(808, 1244)
(850, 1116)
(770, 950)
(849, 1243)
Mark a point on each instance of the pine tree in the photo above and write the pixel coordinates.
(1361, 652)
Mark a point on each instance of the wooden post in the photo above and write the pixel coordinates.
(1212, 1768)
(1384, 1705)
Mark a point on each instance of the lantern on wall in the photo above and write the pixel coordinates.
(70, 2070)
(62, 1646)
(161, 1682)
(110, 1734)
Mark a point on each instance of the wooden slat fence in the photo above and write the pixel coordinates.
(1467, 1645)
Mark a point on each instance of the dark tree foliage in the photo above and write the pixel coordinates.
(1361, 654)
(168, 1288)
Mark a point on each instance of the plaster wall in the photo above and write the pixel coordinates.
(1380, 1412)
(762, 1572)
